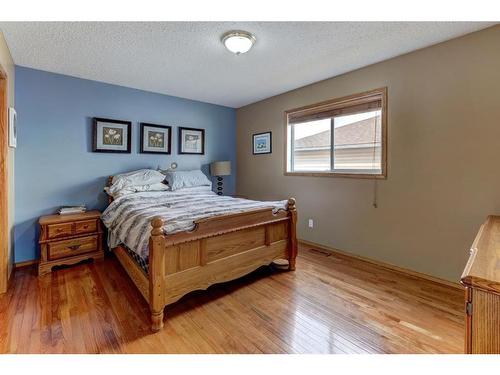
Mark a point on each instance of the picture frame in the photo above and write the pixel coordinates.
(191, 141)
(12, 127)
(155, 139)
(111, 135)
(262, 143)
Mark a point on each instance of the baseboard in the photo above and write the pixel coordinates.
(389, 266)
(26, 263)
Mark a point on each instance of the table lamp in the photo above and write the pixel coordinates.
(219, 169)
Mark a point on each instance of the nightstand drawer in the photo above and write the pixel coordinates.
(87, 226)
(60, 230)
(68, 248)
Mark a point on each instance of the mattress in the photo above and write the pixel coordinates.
(140, 261)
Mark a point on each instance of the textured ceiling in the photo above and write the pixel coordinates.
(187, 59)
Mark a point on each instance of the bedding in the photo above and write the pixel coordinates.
(128, 218)
(136, 181)
(185, 179)
(135, 189)
(137, 178)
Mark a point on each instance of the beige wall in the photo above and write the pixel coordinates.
(443, 158)
(8, 66)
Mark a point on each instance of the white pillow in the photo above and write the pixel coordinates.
(196, 190)
(136, 178)
(185, 179)
(136, 189)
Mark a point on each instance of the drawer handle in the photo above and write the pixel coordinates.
(59, 230)
(74, 247)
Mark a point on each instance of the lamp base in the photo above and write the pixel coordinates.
(220, 186)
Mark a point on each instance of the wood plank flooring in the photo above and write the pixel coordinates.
(330, 304)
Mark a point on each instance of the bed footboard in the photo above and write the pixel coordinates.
(218, 249)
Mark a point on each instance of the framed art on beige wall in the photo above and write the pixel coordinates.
(262, 143)
(111, 135)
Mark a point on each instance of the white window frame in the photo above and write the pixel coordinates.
(338, 104)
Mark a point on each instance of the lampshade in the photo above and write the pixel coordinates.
(220, 168)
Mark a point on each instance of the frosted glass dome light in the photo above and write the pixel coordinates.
(238, 42)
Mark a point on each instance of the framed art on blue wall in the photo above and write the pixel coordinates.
(191, 141)
(156, 139)
(111, 135)
(262, 143)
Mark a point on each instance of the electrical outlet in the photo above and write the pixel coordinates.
(311, 223)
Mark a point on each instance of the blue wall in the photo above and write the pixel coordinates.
(54, 164)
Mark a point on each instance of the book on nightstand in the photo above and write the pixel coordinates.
(66, 210)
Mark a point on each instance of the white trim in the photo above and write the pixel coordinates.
(12, 128)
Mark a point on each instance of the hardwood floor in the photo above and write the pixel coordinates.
(330, 304)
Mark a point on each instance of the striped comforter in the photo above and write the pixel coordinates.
(128, 218)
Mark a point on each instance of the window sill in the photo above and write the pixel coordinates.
(339, 174)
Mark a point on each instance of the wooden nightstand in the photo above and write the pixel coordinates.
(69, 239)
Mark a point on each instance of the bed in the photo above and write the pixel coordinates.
(212, 250)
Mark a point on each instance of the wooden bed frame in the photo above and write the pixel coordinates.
(218, 249)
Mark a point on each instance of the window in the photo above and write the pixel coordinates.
(343, 137)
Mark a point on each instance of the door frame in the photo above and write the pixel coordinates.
(4, 182)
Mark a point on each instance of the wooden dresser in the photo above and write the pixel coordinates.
(481, 279)
(69, 239)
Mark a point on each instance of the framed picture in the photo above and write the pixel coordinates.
(12, 127)
(191, 141)
(112, 135)
(155, 139)
(262, 143)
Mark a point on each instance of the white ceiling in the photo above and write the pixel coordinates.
(187, 59)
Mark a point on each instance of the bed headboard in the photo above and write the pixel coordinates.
(108, 184)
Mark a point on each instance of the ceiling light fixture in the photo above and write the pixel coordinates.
(238, 41)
